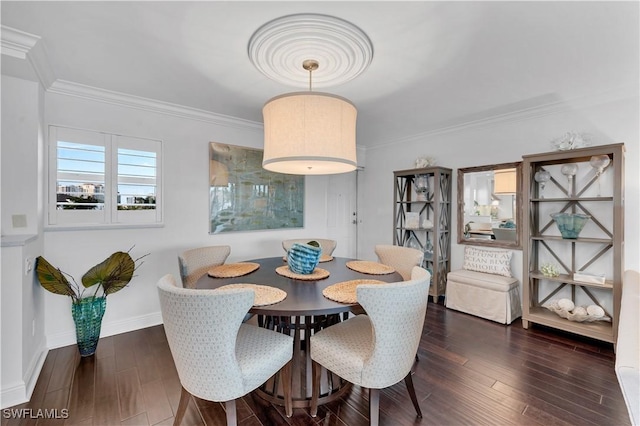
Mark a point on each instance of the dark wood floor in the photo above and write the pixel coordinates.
(471, 372)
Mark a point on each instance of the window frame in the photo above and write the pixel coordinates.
(110, 216)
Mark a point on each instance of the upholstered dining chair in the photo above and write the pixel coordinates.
(218, 357)
(375, 350)
(328, 246)
(402, 259)
(194, 263)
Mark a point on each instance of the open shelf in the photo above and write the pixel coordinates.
(437, 209)
(601, 330)
(576, 255)
(567, 240)
(560, 200)
(566, 279)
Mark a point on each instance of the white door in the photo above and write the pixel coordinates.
(342, 223)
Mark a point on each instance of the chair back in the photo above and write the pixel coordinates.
(328, 246)
(196, 262)
(201, 328)
(402, 259)
(397, 313)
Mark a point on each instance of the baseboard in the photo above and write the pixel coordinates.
(33, 372)
(22, 391)
(67, 338)
(13, 395)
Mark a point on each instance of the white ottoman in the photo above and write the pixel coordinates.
(494, 297)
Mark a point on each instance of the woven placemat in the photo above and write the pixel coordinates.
(345, 292)
(323, 258)
(367, 267)
(264, 295)
(231, 270)
(317, 274)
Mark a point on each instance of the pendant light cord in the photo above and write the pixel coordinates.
(310, 65)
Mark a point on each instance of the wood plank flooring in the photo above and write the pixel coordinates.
(471, 372)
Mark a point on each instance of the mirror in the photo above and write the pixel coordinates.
(490, 205)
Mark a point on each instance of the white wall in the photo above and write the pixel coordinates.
(186, 210)
(501, 142)
(23, 341)
(20, 127)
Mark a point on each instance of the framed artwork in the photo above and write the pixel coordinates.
(245, 197)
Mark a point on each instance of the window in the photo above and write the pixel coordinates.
(102, 179)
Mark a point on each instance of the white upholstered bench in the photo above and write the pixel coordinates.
(628, 345)
(494, 296)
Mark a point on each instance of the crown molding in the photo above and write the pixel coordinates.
(16, 43)
(604, 97)
(69, 88)
(25, 46)
(22, 45)
(41, 65)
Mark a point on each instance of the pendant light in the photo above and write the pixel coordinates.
(309, 133)
(505, 182)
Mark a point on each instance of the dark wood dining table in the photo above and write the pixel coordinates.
(305, 310)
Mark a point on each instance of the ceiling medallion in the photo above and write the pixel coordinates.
(279, 47)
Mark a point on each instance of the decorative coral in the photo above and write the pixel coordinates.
(549, 270)
(422, 162)
(571, 140)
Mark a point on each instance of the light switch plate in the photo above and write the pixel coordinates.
(19, 220)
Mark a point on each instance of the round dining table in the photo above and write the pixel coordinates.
(304, 311)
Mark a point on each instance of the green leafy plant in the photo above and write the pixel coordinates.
(109, 276)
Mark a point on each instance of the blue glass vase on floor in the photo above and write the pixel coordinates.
(87, 315)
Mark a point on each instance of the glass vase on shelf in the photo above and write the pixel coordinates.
(413, 242)
(421, 184)
(542, 177)
(569, 170)
(428, 249)
(599, 163)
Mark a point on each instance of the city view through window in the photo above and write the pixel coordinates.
(82, 176)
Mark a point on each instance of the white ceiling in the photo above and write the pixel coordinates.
(435, 64)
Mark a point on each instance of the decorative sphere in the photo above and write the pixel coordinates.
(579, 310)
(542, 176)
(599, 162)
(566, 304)
(595, 310)
(569, 170)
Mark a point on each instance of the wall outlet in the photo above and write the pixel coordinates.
(28, 265)
(19, 220)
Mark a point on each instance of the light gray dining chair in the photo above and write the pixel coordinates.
(402, 259)
(194, 263)
(328, 246)
(218, 357)
(375, 350)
